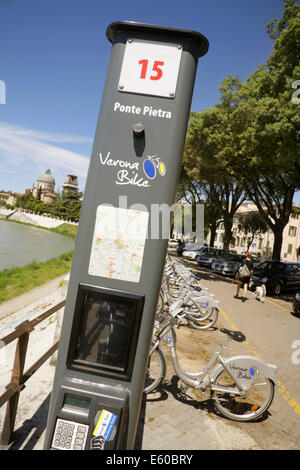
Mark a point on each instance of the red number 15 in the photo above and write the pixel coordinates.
(156, 69)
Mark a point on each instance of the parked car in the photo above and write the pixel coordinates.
(296, 303)
(188, 246)
(180, 248)
(255, 259)
(192, 250)
(228, 265)
(277, 276)
(209, 255)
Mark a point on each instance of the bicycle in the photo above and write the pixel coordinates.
(241, 387)
(180, 292)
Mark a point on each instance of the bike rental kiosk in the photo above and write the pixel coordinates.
(117, 265)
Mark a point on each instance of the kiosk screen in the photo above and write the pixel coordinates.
(107, 330)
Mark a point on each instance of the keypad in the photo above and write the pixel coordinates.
(69, 435)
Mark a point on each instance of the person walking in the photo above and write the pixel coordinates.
(244, 276)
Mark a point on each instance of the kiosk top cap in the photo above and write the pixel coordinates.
(118, 26)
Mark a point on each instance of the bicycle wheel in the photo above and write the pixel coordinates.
(160, 306)
(251, 406)
(203, 306)
(156, 370)
(149, 169)
(196, 315)
(162, 168)
(199, 322)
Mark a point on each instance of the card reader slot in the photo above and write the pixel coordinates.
(73, 411)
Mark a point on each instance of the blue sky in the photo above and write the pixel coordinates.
(53, 60)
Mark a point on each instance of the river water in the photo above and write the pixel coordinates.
(20, 244)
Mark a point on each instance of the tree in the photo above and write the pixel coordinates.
(71, 194)
(39, 193)
(66, 208)
(196, 190)
(212, 211)
(249, 144)
(270, 132)
(252, 224)
(210, 157)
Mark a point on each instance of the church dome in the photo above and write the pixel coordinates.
(46, 178)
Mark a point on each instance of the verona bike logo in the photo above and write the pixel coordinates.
(153, 165)
(253, 371)
(128, 172)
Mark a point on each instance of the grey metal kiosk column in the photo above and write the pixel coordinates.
(117, 266)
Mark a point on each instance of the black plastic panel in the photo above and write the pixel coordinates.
(105, 330)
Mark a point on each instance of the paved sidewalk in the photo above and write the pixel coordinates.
(169, 420)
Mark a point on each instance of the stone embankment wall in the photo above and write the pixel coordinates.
(34, 219)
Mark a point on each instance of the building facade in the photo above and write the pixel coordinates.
(262, 243)
(45, 188)
(10, 198)
(71, 184)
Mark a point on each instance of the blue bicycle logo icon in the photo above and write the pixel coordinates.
(152, 164)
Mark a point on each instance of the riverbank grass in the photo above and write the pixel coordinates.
(17, 281)
(67, 230)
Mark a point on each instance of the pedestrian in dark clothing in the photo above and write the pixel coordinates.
(244, 278)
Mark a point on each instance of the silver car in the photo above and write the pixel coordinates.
(209, 255)
(192, 250)
(229, 265)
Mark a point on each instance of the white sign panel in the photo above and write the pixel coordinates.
(118, 243)
(150, 68)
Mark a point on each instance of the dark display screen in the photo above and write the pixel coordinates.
(77, 402)
(106, 330)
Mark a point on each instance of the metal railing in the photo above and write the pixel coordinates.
(19, 377)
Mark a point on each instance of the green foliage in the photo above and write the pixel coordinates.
(67, 230)
(248, 145)
(16, 281)
(71, 195)
(67, 207)
(210, 158)
(252, 224)
(270, 136)
(4, 204)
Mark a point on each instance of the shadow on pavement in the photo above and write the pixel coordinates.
(171, 386)
(33, 427)
(140, 427)
(206, 404)
(206, 274)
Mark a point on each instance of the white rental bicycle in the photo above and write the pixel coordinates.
(181, 292)
(242, 387)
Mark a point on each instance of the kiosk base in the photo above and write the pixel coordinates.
(86, 422)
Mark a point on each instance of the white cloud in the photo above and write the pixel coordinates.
(33, 134)
(32, 147)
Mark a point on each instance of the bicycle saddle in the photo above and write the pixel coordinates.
(236, 335)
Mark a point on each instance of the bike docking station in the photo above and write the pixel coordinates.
(117, 267)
